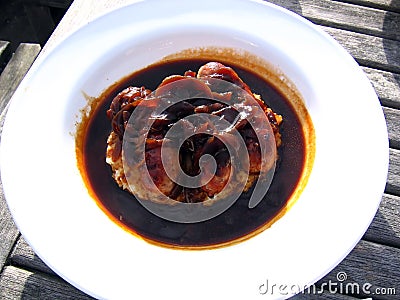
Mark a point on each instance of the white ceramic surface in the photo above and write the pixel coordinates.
(72, 235)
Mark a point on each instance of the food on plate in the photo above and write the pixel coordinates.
(100, 130)
(207, 94)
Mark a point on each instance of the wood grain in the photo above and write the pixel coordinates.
(321, 294)
(370, 263)
(385, 228)
(386, 85)
(369, 51)
(392, 117)
(15, 71)
(17, 283)
(393, 181)
(9, 81)
(8, 230)
(24, 256)
(389, 5)
(347, 16)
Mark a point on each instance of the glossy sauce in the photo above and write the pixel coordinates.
(235, 224)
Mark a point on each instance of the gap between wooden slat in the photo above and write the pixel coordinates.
(369, 263)
(16, 283)
(347, 16)
(318, 294)
(24, 256)
(386, 85)
(389, 5)
(385, 227)
(393, 179)
(8, 230)
(392, 117)
(369, 51)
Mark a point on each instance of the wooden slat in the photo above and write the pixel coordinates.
(8, 230)
(387, 86)
(347, 16)
(17, 283)
(389, 5)
(24, 256)
(393, 124)
(393, 181)
(369, 51)
(385, 228)
(27, 259)
(9, 81)
(372, 264)
(322, 294)
(15, 71)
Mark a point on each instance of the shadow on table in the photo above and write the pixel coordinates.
(43, 286)
(384, 227)
(39, 281)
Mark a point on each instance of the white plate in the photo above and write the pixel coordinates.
(71, 234)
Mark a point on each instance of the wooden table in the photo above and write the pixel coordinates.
(370, 31)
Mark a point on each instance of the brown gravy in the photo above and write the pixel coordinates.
(238, 222)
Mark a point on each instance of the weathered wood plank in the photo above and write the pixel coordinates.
(385, 227)
(386, 85)
(347, 16)
(392, 117)
(372, 266)
(389, 5)
(15, 71)
(8, 230)
(9, 81)
(17, 283)
(321, 294)
(393, 181)
(23, 256)
(369, 51)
